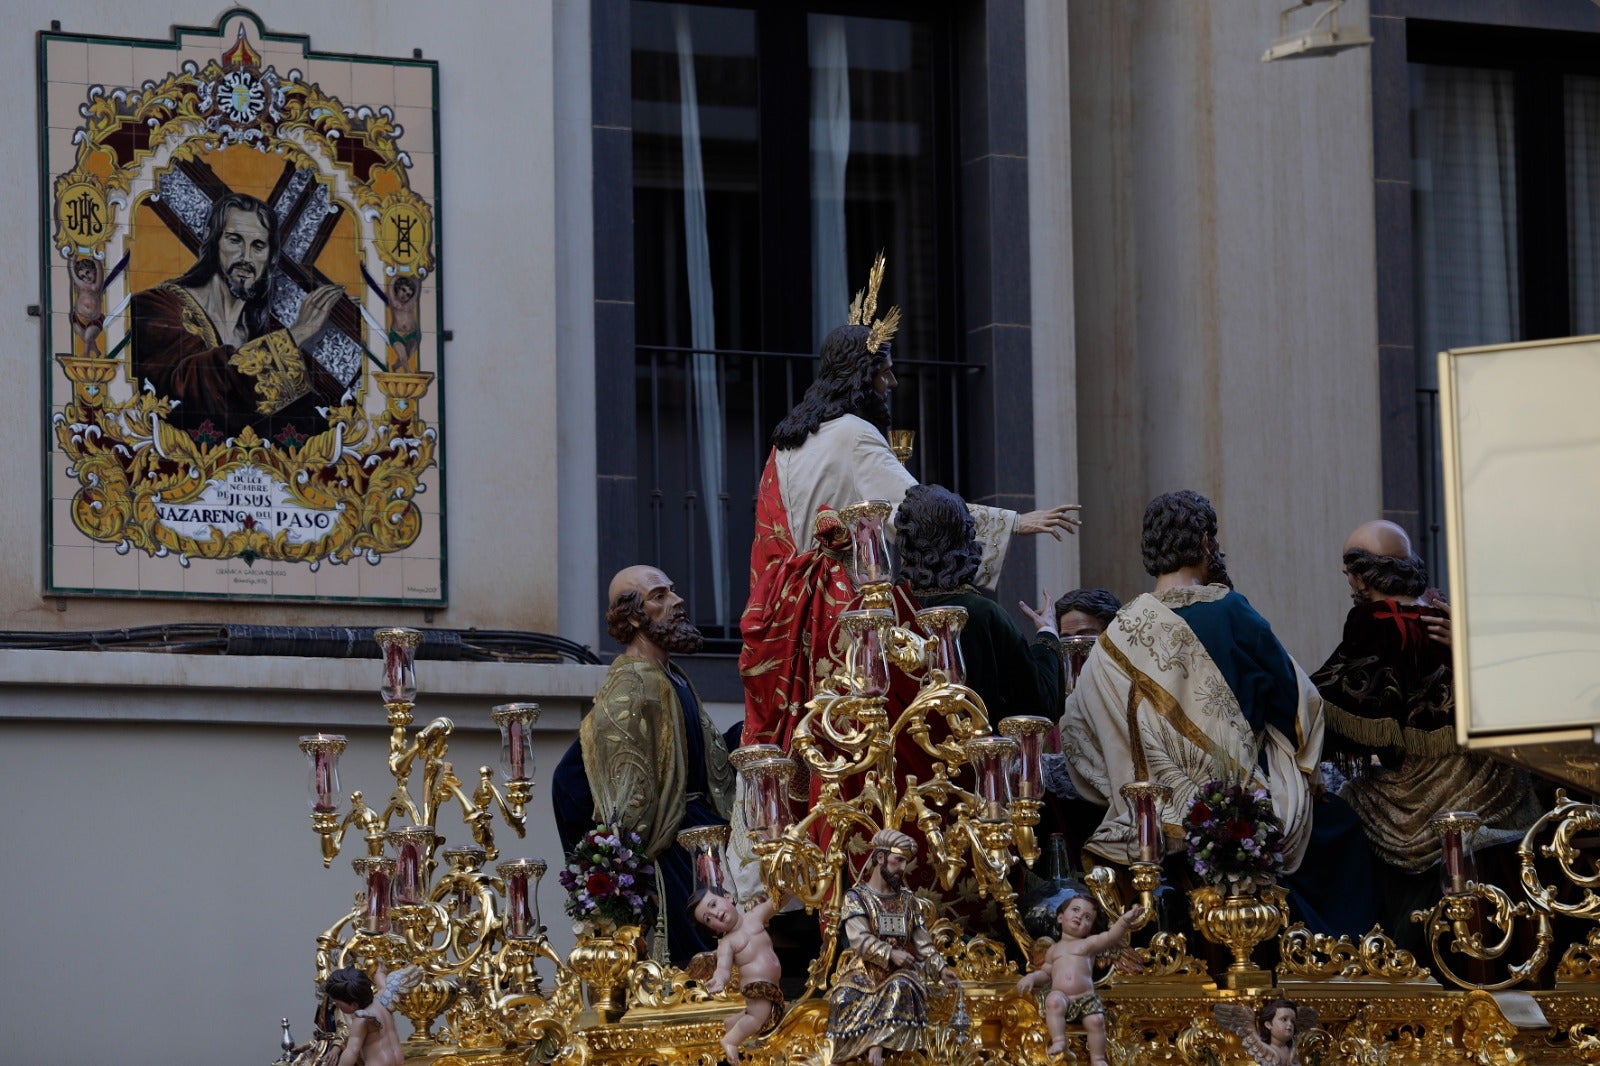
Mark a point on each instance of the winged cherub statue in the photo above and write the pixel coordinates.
(1268, 1035)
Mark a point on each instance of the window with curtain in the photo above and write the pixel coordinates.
(1505, 135)
(776, 149)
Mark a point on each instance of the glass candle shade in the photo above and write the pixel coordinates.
(322, 752)
(1074, 652)
(991, 758)
(1146, 798)
(521, 919)
(411, 845)
(1029, 731)
(516, 722)
(865, 664)
(399, 663)
(464, 860)
(1457, 864)
(945, 623)
(706, 846)
(868, 524)
(378, 873)
(766, 772)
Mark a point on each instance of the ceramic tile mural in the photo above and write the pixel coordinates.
(243, 364)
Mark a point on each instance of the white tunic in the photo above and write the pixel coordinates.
(847, 461)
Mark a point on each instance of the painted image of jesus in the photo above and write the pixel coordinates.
(208, 340)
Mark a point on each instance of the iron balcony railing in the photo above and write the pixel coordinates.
(753, 390)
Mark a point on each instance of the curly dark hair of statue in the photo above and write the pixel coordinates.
(934, 532)
(1269, 1010)
(1096, 603)
(846, 385)
(349, 985)
(1392, 575)
(694, 901)
(625, 617)
(1176, 526)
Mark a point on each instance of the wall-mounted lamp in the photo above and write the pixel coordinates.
(1323, 37)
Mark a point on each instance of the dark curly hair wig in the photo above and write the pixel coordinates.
(349, 985)
(1176, 526)
(1392, 575)
(845, 385)
(1096, 603)
(935, 534)
(625, 617)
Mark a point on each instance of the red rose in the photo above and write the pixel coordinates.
(1199, 812)
(599, 884)
(1241, 829)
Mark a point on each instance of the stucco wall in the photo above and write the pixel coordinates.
(1225, 295)
(163, 888)
(1050, 268)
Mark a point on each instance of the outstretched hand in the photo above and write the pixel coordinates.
(1041, 618)
(1052, 520)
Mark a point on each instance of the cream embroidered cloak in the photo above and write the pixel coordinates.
(1151, 705)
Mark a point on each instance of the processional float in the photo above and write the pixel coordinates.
(476, 935)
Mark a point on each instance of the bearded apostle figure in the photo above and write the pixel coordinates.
(648, 757)
(832, 450)
(1189, 683)
(879, 999)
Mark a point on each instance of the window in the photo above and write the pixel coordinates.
(1505, 140)
(776, 149)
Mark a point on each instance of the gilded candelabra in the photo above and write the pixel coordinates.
(977, 810)
(473, 936)
(1145, 871)
(1469, 905)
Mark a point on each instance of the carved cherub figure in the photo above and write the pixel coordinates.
(742, 941)
(328, 1037)
(1068, 969)
(373, 1040)
(1269, 1034)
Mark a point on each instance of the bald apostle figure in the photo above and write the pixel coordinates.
(1389, 693)
(653, 760)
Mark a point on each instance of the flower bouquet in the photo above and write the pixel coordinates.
(609, 879)
(1234, 839)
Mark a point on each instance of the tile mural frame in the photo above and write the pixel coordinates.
(324, 482)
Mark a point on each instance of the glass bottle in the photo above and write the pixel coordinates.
(1059, 883)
